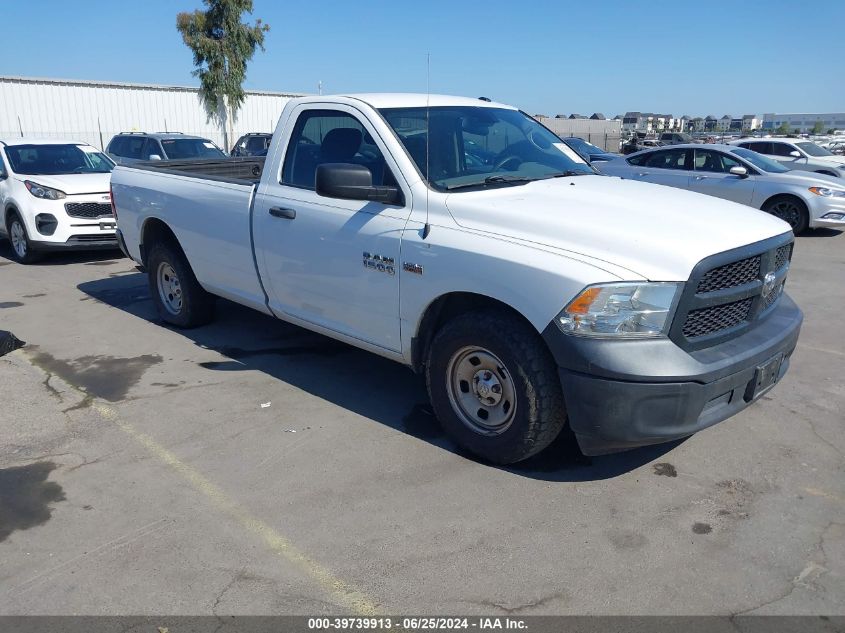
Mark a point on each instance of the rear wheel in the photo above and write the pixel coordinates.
(791, 210)
(21, 247)
(176, 293)
(494, 386)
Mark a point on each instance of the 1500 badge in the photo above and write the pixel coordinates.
(379, 263)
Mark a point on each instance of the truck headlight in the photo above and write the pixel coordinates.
(46, 193)
(621, 310)
(827, 192)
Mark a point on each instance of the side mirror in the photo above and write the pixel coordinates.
(349, 181)
(155, 157)
(795, 153)
(740, 171)
(3, 175)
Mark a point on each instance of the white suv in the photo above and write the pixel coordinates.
(54, 195)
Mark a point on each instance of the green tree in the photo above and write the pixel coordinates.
(784, 128)
(818, 127)
(222, 45)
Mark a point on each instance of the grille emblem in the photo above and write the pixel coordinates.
(768, 284)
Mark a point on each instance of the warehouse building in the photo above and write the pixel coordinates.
(94, 111)
(804, 122)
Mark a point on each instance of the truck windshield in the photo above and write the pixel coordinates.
(179, 148)
(57, 160)
(456, 147)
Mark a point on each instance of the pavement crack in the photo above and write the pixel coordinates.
(805, 578)
(51, 389)
(238, 576)
(510, 610)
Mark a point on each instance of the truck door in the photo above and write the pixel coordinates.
(333, 263)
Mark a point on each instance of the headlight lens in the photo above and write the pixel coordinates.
(621, 310)
(46, 193)
(827, 192)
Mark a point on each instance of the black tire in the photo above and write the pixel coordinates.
(527, 374)
(791, 210)
(28, 256)
(195, 306)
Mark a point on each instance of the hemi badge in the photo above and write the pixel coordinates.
(413, 268)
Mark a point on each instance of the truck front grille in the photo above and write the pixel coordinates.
(726, 293)
(783, 255)
(716, 318)
(731, 275)
(88, 210)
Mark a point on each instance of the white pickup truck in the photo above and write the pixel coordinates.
(461, 238)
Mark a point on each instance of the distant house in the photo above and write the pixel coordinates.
(560, 116)
(598, 116)
(724, 124)
(750, 122)
(710, 123)
(576, 116)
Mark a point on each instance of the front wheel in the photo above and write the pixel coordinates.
(791, 210)
(494, 386)
(21, 247)
(176, 293)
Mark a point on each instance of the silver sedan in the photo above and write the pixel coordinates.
(803, 199)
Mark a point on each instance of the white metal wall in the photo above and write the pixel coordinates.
(605, 133)
(93, 112)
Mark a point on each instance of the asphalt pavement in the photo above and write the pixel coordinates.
(251, 467)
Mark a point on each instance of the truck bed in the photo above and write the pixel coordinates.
(242, 170)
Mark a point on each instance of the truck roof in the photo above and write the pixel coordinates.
(380, 100)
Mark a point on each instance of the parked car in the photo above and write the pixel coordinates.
(253, 144)
(797, 154)
(836, 147)
(734, 173)
(675, 138)
(133, 147)
(588, 151)
(54, 195)
(513, 287)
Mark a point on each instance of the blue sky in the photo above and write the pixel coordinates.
(679, 57)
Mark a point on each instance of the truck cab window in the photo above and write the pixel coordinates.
(327, 136)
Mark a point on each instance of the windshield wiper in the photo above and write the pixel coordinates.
(491, 180)
(570, 172)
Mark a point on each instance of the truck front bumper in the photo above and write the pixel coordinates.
(621, 394)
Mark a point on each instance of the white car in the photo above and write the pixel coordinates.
(531, 291)
(797, 154)
(803, 199)
(54, 195)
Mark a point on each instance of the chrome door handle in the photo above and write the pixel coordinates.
(283, 212)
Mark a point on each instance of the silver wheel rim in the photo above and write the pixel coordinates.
(481, 390)
(169, 288)
(18, 238)
(788, 212)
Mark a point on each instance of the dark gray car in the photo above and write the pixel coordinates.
(133, 147)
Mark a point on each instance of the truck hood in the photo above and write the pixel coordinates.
(71, 184)
(659, 233)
